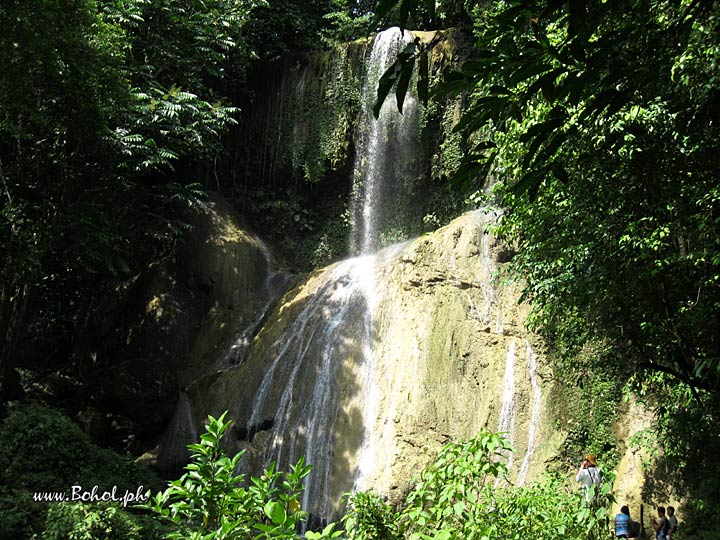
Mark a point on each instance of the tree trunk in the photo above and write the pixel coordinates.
(11, 308)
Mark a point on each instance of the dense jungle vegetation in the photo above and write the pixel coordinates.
(596, 121)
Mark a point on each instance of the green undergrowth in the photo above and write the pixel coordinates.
(589, 389)
(462, 494)
(43, 451)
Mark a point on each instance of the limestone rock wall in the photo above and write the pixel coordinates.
(448, 329)
(443, 332)
(178, 321)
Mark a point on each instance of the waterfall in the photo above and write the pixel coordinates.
(384, 164)
(332, 381)
(333, 334)
(275, 284)
(534, 415)
(306, 361)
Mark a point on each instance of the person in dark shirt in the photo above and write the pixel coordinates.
(661, 525)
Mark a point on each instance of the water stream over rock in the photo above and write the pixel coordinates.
(383, 165)
(370, 365)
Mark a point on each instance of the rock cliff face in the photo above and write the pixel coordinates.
(368, 366)
(446, 355)
(454, 356)
(182, 318)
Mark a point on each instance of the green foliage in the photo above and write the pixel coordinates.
(80, 521)
(307, 233)
(206, 494)
(368, 517)
(550, 509)
(209, 501)
(326, 113)
(99, 103)
(282, 26)
(590, 384)
(327, 533)
(584, 104)
(331, 244)
(682, 446)
(350, 20)
(447, 499)
(43, 451)
(463, 494)
(20, 516)
(176, 109)
(187, 43)
(305, 131)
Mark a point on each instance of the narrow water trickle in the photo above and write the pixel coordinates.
(506, 424)
(275, 282)
(180, 432)
(534, 415)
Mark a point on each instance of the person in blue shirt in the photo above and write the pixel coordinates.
(622, 523)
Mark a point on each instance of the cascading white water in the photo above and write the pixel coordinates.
(373, 172)
(534, 415)
(306, 360)
(382, 143)
(337, 323)
(506, 424)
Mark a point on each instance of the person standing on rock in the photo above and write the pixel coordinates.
(588, 475)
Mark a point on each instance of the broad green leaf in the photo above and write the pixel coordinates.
(403, 82)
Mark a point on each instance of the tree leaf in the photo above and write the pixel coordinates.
(385, 84)
(560, 172)
(406, 7)
(403, 82)
(276, 512)
(381, 10)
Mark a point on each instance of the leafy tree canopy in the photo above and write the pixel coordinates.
(597, 123)
(107, 110)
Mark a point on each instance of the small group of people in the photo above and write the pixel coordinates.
(664, 525)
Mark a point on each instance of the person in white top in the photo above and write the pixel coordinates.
(672, 520)
(588, 475)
